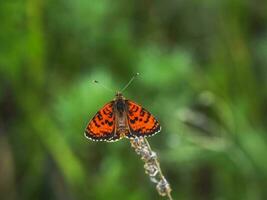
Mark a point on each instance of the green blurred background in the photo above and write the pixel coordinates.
(203, 75)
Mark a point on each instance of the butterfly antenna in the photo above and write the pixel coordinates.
(131, 80)
(97, 82)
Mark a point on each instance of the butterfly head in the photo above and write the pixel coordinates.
(119, 95)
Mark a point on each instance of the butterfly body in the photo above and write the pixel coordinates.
(121, 127)
(121, 118)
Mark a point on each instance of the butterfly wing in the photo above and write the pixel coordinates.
(141, 122)
(102, 125)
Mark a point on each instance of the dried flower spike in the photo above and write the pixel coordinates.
(152, 166)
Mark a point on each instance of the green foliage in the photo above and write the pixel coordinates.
(203, 74)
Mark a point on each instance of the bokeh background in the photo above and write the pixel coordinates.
(203, 74)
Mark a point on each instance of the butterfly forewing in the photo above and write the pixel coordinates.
(102, 125)
(141, 122)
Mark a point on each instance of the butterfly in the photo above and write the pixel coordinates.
(121, 118)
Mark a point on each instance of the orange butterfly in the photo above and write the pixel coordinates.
(121, 118)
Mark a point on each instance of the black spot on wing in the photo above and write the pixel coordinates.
(135, 108)
(132, 121)
(142, 113)
(110, 123)
(97, 125)
(99, 116)
(148, 117)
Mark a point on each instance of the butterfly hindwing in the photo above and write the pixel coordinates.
(102, 125)
(141, 122)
